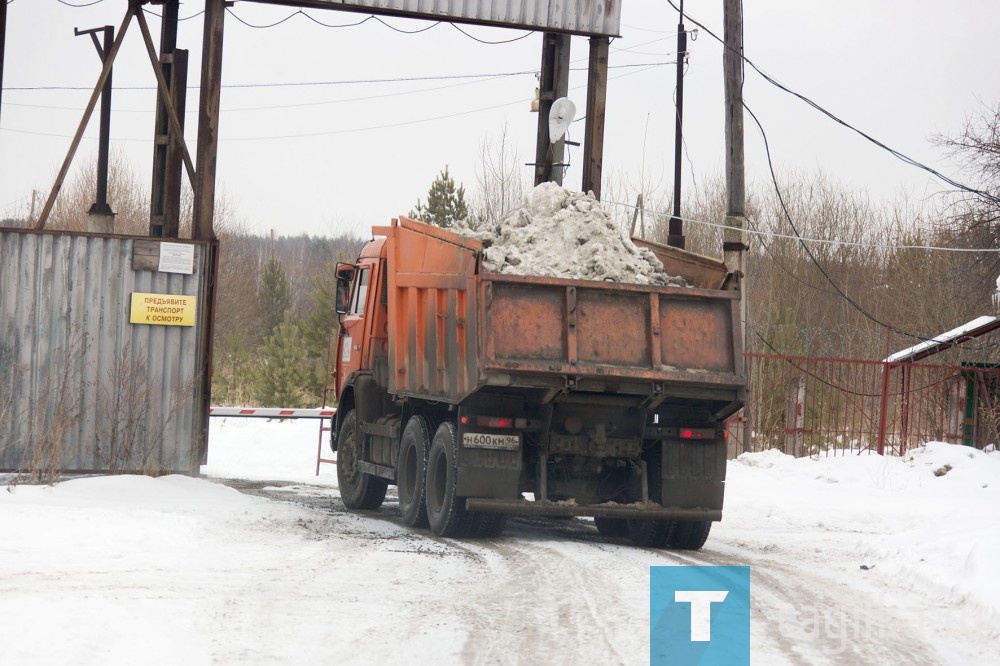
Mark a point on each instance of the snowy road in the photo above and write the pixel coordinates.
(555, 591)
(853, 560)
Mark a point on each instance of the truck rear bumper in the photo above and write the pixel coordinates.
(634, 511)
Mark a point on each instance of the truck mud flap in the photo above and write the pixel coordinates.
(640, 512)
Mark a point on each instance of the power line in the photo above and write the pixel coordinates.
(305, 84)
(351, 130)
(895, 153)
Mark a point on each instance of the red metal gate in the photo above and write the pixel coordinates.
(806, 406)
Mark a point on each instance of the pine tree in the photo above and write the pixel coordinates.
(286, 374)
(445, 202)
(275, 295)
(319, 323)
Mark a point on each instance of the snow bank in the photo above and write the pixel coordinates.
(560, 233)
(926, 520)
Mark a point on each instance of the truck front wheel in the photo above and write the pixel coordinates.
(412, 471)
(446, 512)
(358, 489)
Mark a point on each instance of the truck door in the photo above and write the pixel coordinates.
(352, 327)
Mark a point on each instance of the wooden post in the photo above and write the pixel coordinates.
(734, 243)
(208, 121)
(597, 93)
(3, 40)
(554, 83)
(795, 417)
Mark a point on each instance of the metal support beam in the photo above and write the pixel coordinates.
(597, 95)
(553, 84)
(100, 217)
(75, 143)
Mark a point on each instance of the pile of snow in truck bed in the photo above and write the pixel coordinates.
(560, 233)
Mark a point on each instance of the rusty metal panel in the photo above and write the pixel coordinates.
(613, 329)
(81, 387)
(580, 17)
(697, 334)
(526, 323)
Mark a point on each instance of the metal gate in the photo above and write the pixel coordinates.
(805, 406)
(99, 345)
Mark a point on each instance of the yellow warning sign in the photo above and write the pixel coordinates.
(163, 309)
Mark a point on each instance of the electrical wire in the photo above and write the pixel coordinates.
(179, 20)
(857, 306)
(895, 153)
(78, 6)
(483, 41)
(346, 131)
(301, 84)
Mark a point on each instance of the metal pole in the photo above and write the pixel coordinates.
(597, 94)
(75, 143)
(101, 217)
(676, 227)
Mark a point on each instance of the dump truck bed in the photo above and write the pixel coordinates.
(457, 328)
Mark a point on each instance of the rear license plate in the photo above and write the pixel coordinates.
(482, 440)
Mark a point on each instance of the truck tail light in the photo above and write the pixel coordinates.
(696, 433)
(489, 421)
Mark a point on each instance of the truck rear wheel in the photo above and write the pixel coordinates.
(690, 534)
(611, 527)
(412, 472)
(446, 513)
(651, 533)
(357, 489)
(488, 525)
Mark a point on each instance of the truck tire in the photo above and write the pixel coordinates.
(611, 527)
(690, 534)
(652, 533)
(446, 512)
(488, 525)
(411, 474)
(357, 489)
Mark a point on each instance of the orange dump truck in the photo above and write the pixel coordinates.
(481, 395)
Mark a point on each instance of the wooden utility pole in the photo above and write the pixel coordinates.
(165, 194)
(734, 245)
(597, 93)
(3, 39)
(676, 226)
(553, 84)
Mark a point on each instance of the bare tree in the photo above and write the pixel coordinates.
(501, 181)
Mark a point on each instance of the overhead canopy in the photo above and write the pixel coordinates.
(952, 338)
(578, 17)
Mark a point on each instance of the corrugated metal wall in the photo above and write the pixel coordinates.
(78, 382)
(585, 17)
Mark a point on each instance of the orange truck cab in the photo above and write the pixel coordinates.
(481, 395)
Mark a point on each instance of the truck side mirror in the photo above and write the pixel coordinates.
(345, 275)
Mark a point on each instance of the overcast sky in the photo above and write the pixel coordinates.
(331, 154)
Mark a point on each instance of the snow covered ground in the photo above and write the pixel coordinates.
(853, 559)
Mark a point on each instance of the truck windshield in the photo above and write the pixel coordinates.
(360, 292)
